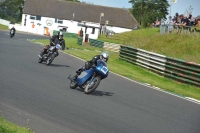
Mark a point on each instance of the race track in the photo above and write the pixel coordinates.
(38, 96)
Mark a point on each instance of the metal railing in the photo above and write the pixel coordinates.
(176, 69)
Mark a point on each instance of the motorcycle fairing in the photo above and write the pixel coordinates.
(84, 76)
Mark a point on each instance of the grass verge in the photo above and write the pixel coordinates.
(3, 27)
(8, 127)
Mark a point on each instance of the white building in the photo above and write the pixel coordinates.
(38, 15)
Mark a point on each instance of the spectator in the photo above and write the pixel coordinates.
(181, 18)
(176, 19)
(157, 23)
(192, 20)
(136, 27)
(81, 32)
(153, 25)
(186, 21)
(170, 24)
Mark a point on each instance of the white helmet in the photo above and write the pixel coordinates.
(61, 34)
(104, 55)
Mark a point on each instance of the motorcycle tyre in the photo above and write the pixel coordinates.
(94, 86)
(73, 85)
(51, 60)
(40, 60)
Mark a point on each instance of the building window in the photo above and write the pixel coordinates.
(32, 17)
(37, 17)
(60, 21)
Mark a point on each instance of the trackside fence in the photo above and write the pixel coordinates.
(176, 69)
(96, 43)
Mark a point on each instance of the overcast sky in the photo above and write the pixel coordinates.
(180, 6)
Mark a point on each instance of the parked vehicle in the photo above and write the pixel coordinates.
(90, 79)
(52, 52)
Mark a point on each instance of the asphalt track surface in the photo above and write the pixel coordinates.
(38, 96)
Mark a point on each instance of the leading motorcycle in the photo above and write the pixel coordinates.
(11, 33)
(90, 79)
(52, 52)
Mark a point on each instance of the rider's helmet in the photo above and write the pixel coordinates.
(60, 35)
(104, 56)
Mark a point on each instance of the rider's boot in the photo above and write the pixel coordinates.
(41, 54)
(73, 78)
(77, 74)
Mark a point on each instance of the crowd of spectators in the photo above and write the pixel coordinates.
(178, 21)
(184, 20)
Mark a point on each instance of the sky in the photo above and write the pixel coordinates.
(180, 6)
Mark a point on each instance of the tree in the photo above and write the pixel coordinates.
(11, 9)
(147, 11)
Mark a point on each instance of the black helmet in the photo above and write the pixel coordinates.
(60, 35)
(104, 56)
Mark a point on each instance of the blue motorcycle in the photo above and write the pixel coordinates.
(89, 79)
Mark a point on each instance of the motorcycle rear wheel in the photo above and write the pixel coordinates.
(89, 89)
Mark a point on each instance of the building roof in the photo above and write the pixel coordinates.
(198, 17)
(59, 9)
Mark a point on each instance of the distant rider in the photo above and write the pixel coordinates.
(56, 39)
(13, 28)
(92, 63)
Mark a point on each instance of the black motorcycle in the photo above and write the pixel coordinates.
(11, 33)
(52, 52)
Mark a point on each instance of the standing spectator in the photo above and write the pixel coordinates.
(170, 24)
(157, 23)
(186, 21)
(81, 32)
(192, 20)
(136, 27)
(176, 19)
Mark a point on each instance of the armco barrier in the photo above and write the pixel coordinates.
(106, 45)
(176, 69)
(148, 60)
(96, 43)
(79, 40)
(111, 46)
(183, 71)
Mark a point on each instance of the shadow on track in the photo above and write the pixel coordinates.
(57, 65)
(98, 93)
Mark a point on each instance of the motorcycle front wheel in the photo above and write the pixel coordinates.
(73, 85)
(40, 60)
(92, 86)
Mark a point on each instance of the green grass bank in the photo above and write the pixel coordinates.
(8, 127)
